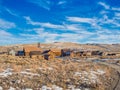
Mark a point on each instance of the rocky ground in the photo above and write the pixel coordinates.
(33, 74)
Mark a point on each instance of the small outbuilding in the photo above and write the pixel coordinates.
(12, 52)
(65, 52)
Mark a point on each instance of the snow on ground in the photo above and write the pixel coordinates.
(54, 87)
(11, 88)
(6, 72)
(90, 77)
(1, 88)
(48, 68)
(29, 73)
(27, 89)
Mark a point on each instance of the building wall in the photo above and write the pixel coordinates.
(117, 54)
(27, 53)
(55, 53)
(12, 52)
(37, 56)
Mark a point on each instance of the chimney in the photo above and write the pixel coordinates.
(38, 44)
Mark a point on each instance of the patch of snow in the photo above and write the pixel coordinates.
(28, 70)
(6, 72)
(11, 88)
(90, 76)
(29, 73)
(77, 89)
(1, 88)
(27, 89)
(101, 72)
(44, 88)
(49, 68)
(54, 87)
(86, 89)
(41, 68)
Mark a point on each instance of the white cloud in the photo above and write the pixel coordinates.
(61, 2)
(47, 25)
(46, 4)
(64, 26)
(106, 36)
(116, 9)
(5, 34)
(6, 38)
(100, 34)
(6, 24)
(103, 12)
(79, 19)
(11, 12)
(117, 14)
(72, 27)
(104, 5)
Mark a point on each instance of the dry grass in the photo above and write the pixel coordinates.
(51, 72)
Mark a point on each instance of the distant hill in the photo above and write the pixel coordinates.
(101, 47)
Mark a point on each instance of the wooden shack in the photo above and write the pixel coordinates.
(12, 52)
(94, 53)
(55, 52)
(111, 54)
(87, 53)
(20, 53)
(28, 49)
(76, 54)
(36, 55)
(65, 52)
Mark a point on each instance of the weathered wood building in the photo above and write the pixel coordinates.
(28, 51)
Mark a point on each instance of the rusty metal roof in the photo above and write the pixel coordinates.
(31, 48)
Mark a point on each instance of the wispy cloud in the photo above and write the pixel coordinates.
(117, 14)
(106, 36)
(46, 4)
(104, 5)
(6, 37)
(11, 12)
(116, 9)
(6, 24)
(47, 24)
(62, 2)
(100, 34)
(79, 19)
(4, 33)
(108, 7)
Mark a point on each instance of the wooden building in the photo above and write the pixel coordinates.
(111, 54)
(27, 50)
(76, 54)
(94, 53)
(36, 54)
(65, 52)
(12, 52)
(87, 53)
(55, 52)
(20, 53)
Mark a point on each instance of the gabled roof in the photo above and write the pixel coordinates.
(31, 48)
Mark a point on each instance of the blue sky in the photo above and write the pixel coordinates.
(81, 21)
